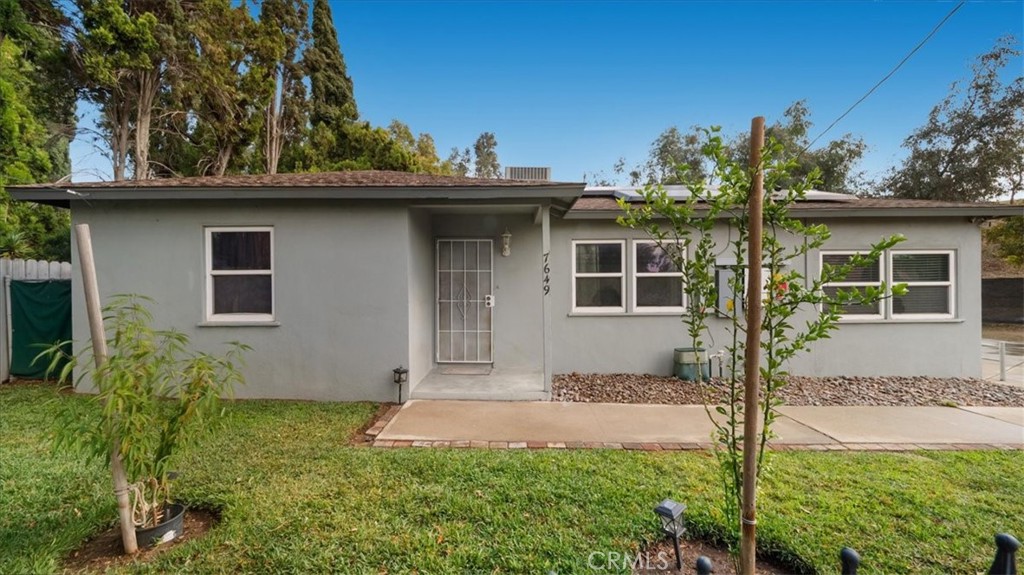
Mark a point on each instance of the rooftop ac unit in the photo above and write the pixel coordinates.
(521, 173)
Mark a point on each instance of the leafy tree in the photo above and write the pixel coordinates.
(333, 100)
(174, 149)
(486, 163)
(426, 155)
(34, 100)
(971, 147)
(228, 86)
(459, 161)
(401, 134)
(421, 148)
(285, 31)
(356, 146)
(39, 28)
(119, 47)
(835, 162)
(23, 156)
(670, 150)
(1008, 236)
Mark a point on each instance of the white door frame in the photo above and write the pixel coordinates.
(477, 300)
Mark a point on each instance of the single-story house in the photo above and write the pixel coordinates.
(481, 288)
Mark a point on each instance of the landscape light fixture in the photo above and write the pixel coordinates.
(506, 243)
(673, 524)
(401, 376)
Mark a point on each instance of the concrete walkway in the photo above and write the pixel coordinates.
(498, 424)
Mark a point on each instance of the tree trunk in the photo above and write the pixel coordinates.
(117, 114)
(274, 140)
(148, 86)
(223, 158)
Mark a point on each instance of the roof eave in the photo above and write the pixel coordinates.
(903, 212)
(62, 197)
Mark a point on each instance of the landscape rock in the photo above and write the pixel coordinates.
(837, 390)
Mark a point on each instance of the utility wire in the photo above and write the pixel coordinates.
(887, 76)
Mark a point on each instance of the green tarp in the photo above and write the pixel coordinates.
(40, 317)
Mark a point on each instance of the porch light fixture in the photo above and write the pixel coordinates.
(673, 524)
(506, 243)
(401, 376)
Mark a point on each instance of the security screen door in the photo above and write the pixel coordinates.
(464, 278)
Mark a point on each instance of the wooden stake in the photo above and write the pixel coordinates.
(752, 354)
(99, 351)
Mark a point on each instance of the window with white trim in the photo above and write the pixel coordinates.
(240, 273)
(859, 278)
(599, 276)
(929, 277)
(657, 282)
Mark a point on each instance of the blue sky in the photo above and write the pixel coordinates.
(575, 85)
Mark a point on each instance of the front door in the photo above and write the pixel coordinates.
(464, 300)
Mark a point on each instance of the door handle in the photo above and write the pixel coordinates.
(488, 300)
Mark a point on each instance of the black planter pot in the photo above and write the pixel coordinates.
(170, 528)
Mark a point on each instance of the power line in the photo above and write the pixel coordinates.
(887, 76)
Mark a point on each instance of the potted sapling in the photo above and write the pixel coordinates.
(155, 395)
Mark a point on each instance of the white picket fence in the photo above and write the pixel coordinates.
(29, 270)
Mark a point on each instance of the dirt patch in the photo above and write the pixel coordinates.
(105, 550)
(656, 556)
(1004, 331)
(840, 390)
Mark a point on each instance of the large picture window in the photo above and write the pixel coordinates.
(929, 279)
(240, 273)
(657, 282)
(859, 278)
(599, 276)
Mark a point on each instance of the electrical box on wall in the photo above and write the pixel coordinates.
(725, 271)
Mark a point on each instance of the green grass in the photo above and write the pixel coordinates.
(295, 498)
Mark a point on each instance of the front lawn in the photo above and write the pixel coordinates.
(296, 498)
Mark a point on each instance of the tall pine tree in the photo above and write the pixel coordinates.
(333, 101)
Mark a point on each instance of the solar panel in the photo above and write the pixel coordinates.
(635, 194)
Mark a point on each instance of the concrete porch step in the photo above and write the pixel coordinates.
(498, 385)
(485, 395)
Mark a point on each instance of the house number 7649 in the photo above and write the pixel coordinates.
(547, 274)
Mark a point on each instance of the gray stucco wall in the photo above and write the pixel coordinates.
(421, 280)
(341, 287)
(355, 295)
(636, 343)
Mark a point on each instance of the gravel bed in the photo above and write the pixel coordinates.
(633, 388)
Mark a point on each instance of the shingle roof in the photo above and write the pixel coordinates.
(365, 178)
(356, 185)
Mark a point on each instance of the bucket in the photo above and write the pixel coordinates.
(170, 528)
(686, 361)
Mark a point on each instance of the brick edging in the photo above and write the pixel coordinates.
(467, 444)
(378, 426)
